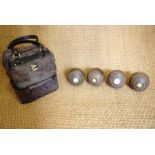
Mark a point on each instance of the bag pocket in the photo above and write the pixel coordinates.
(35, 91)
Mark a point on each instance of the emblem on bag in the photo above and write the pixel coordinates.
(34, 67)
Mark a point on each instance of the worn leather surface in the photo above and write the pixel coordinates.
(126, 48)
(31, 84)
(23, 76)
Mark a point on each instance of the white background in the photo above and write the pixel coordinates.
(77, 142)
(77, 12)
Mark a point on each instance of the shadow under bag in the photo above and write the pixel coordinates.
(31, 69)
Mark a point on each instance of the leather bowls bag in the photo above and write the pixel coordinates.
(31, 69)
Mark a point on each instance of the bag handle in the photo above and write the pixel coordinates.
(25, 39)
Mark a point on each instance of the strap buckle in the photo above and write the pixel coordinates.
(16, 55)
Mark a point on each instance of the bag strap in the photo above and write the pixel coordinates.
(23, 39)
(33, 39)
